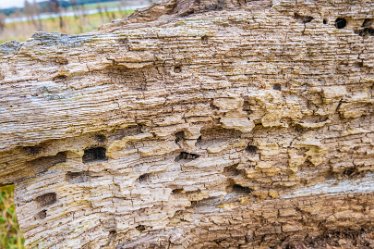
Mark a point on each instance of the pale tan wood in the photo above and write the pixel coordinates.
(195, 124)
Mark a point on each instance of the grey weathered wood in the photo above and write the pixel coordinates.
(195, 124)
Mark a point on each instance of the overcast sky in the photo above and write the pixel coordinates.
(11, 3)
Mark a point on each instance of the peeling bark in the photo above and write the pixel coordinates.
(195, 124)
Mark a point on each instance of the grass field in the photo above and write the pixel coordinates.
(21, 31)
(91, 6)
(10, 234)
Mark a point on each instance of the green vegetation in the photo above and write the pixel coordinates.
(21, 31)
(10, 234)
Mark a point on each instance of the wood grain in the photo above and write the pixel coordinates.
(195, 124)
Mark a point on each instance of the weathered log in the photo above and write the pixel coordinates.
(196, 124)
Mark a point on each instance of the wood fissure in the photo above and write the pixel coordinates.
(195, 124)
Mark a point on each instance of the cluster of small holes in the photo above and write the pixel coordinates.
(340, 23)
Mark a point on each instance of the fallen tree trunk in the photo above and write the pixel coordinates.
(196, 124)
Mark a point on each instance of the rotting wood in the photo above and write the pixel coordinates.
(196, 124)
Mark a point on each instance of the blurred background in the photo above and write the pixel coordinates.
(19, 20)
(10, 234)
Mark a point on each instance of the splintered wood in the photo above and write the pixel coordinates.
(196, 124)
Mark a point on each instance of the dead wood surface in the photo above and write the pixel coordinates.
(196, 124)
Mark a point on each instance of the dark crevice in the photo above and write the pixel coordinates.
(367, 23)
(32, 150)
(185, 156)
(179, 136)
(232, 171)
(350, 171)
(187, 13)
(347, 172)
(236, 188)
(112, 236)
(100, 138)
(205, 201)
(359, 64)
(251, 149)
(140, 228)
(216, 133)
(213, 107)
(177, 191)
(42, 164)
(177, 69)
(340, 23)
(41, 215)
(365, 32)
(144, 178)
(77, 177)
(123, 41)
(241, 189)
(277, 87)
(247, 107)
(299, 128)
(194, 203)
(60, 77)
(46, 199)
(204, 39)
(94, 154)
(303, 19)
(354, 172)
(129, 131)
(199, 140)
(314, 119)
